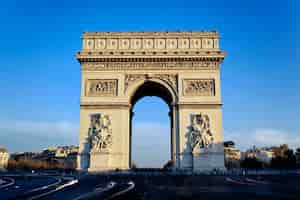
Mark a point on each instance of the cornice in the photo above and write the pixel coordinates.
(210, 104)
(150, 56)
(95, 105)
(213, 34)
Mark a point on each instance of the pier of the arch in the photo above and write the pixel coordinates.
(118, 69)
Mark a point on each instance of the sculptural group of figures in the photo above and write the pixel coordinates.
(200, 134)
(100, 132)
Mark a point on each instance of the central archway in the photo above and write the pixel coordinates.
(157, 89)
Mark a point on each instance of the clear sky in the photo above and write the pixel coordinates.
(40, 77)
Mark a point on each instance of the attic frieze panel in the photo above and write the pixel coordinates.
(102, 66)
(150, 40)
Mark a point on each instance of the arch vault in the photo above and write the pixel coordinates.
(119, 68)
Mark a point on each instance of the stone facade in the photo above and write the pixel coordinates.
(119, 68)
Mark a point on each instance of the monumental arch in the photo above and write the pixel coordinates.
(119, 68)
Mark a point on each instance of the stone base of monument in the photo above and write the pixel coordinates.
(99, 161)
(206, 160)
(106, 161)
(186, 162)
(83, 160)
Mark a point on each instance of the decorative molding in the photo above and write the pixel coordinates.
(114, 56)
(101, 105)
(170, 79)
(151, 34)
(98, 66)
(100, 132)
(200, 133)
(131, 78)
(199, 87)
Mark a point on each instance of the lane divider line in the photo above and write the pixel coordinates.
(12, 182)
(68, 184)
(131, 186)
(230, 180)
(96, 191)
(256, 181)
(46, 186)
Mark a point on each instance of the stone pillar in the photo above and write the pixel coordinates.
(83, 158)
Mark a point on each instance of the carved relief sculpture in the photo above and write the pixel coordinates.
(100, 132)
(101, 87)
(200, 134)
(200, 87)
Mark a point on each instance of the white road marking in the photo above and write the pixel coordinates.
(131, 186)
(70, 183)
(97, 191)
(11, 182)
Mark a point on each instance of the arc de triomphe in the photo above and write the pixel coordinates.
(119, 68)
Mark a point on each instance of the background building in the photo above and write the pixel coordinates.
(232, 155)
(64, 151)
(4, 157)
(263, 155)
(61, 157)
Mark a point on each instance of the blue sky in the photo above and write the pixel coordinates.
(40, 76)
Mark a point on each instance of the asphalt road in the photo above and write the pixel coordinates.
(195, 187)
(151, 186)
(24, 184)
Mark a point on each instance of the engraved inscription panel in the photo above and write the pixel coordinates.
(195, 43)
(171, 43)
(183, 43)
(101, 87)
(160, 43)
(88, 44)
(124, 44)
(100, 44)
(136, 43)
(112, 44)
(148, 43)
(199, 87)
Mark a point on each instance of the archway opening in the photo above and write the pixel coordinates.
(151, 126)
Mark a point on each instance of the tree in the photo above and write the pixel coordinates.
(169, 165)
(229, 144)
(133, 166)
(251, 163)
(286, 161)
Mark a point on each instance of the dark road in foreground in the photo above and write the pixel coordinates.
(150, 186)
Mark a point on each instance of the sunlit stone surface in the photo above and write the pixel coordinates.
(119, 68)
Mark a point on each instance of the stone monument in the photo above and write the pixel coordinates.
(119, 68)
